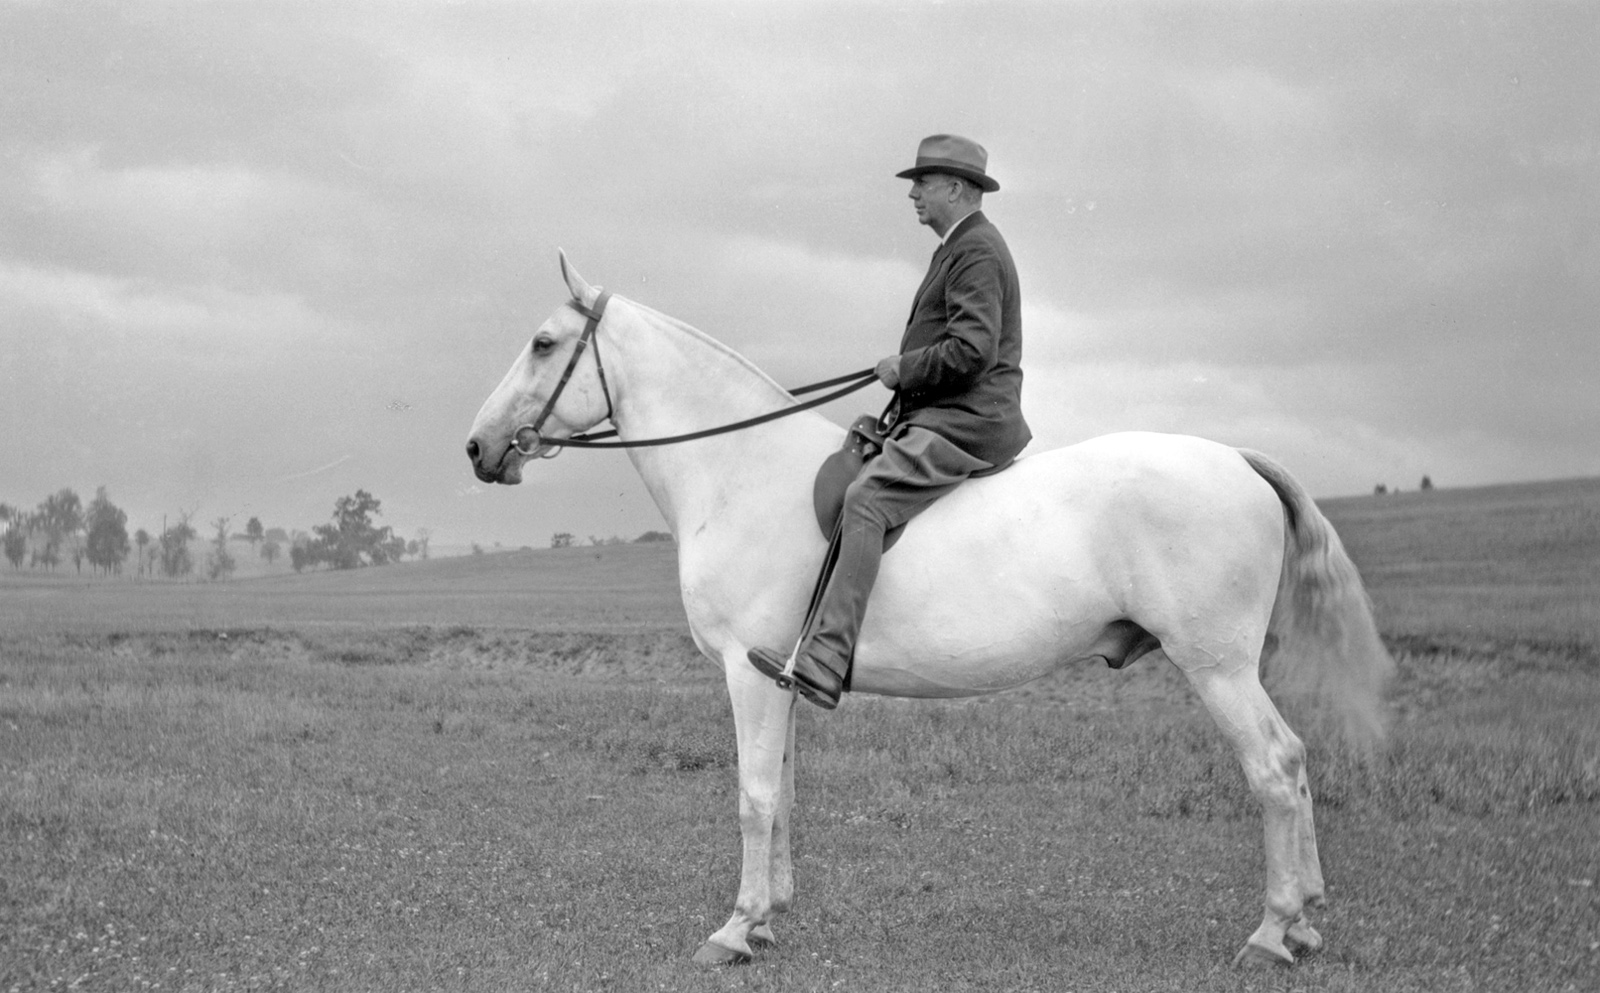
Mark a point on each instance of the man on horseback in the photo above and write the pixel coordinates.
(956, 410)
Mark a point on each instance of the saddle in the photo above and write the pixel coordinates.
(862, 441)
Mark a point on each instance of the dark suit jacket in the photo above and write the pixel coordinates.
(961, 356)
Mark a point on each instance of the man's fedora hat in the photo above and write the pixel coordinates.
(954, 155)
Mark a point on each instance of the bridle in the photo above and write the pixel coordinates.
(530, 441)
(539, 447)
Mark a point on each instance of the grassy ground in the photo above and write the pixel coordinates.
(199, 792)
(1490, 565)
(596, 589)
(266, 813)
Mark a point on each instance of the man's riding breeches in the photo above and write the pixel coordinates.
(915, 468)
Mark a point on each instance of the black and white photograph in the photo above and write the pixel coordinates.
(800, 495)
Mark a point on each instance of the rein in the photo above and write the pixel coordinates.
(535, 446)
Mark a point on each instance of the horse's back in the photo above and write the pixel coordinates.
(1015, 573)
(1110, 479)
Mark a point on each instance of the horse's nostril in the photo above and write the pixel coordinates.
(472, 450)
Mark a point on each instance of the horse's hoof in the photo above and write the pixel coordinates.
(712, 953)
(1302, 938)
(1254, 956)
(761, 936)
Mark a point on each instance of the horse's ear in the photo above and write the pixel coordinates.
(578, 286)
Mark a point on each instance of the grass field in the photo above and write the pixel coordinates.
(513, 772)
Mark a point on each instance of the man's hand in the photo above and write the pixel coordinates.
(888, 371)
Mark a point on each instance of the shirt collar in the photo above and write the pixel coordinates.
(962, 220)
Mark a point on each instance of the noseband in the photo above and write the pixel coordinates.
(528, 440)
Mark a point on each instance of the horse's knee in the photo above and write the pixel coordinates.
(758, 806)
(761, 802)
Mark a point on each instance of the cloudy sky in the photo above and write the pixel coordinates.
(256, 256)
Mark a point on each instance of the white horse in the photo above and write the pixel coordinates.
(1123, 544)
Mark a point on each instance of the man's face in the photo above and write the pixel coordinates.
(932, 193)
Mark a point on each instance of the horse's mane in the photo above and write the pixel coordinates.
(695, 333)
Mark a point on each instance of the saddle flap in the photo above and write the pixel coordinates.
(839, 470)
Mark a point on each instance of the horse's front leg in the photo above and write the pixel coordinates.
(763, 717)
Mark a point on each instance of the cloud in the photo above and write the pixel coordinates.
(1359, 236)
(817, 309)
(141, 325)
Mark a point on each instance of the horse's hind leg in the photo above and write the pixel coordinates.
(1274, 764)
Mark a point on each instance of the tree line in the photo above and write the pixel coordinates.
(62, 528)
(565, 539)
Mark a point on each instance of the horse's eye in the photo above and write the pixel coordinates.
(543, 345)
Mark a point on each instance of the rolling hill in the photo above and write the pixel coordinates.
(1499, 563)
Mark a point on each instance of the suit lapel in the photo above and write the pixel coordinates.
(935, 266)
(942, 254)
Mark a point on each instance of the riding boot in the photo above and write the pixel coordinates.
(830, 635)
(915, 468)
(822, 657)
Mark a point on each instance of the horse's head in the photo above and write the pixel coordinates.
(508, 430)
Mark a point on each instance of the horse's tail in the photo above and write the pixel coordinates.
(1323, 652)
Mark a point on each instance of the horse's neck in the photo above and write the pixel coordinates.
(672, 379)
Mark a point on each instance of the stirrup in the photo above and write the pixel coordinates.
(785, 679)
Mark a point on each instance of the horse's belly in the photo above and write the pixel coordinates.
(961, 617)
(966, 646)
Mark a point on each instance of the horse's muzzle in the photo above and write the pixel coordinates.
(507, 469)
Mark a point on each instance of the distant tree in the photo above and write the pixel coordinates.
(352, 540)
(12, 518)
(60, 516)
(253, 532)
(477, 549)
(107, 544)
(270, 550)
(16, 545)
(1380, 490)
(219, 564)
(424, 535)
(561, 539)
(301, 555)
(412, 548)
(1427, 483)
(141, 538)
(653, 536)
(173, 547)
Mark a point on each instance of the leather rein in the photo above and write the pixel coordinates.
(530, 441)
